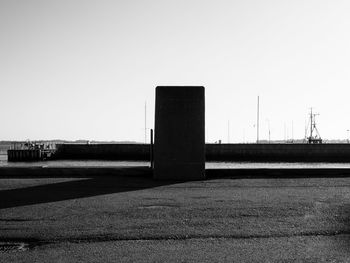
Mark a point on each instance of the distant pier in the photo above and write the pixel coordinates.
(23, 155)
(23, 152)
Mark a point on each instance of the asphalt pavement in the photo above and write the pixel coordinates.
(134, 219)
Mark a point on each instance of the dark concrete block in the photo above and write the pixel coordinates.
(179, 149)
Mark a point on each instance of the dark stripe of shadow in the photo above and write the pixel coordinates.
(73, 190)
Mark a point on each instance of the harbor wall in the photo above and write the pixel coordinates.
(24, 155)
(137, 152)
(279, 152)
(215, 152)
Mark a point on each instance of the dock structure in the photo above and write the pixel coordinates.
(24, 155)
(23, 152)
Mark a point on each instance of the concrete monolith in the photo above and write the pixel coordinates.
(179, 149)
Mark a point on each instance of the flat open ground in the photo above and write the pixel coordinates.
(122, 218)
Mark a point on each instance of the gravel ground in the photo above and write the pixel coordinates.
(110, 219)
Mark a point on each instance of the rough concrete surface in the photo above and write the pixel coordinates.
(124, 219)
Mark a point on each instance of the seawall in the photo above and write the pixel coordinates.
(279, 152)
(137, 152)
(24, 155)
(215, 152)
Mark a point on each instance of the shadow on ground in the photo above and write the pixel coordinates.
(73, 190)
(87, 184)
(94, 181)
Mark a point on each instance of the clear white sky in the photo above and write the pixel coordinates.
(84, 69)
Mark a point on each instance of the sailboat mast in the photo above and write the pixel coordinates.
(311, 124)
(257, 123)
(228, 131)
(145, 122)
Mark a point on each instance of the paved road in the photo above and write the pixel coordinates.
(136, 219)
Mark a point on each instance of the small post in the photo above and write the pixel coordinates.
(151, 148)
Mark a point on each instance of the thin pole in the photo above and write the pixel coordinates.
(311, 124)
(151, 148)
(228, 131)
(145, 122)
(257, 122)
(268, 123)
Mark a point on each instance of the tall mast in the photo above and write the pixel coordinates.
(317, 138)
(311, 124)
(145, 122)
(268, 123)
(228, 131)
(257, 122)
